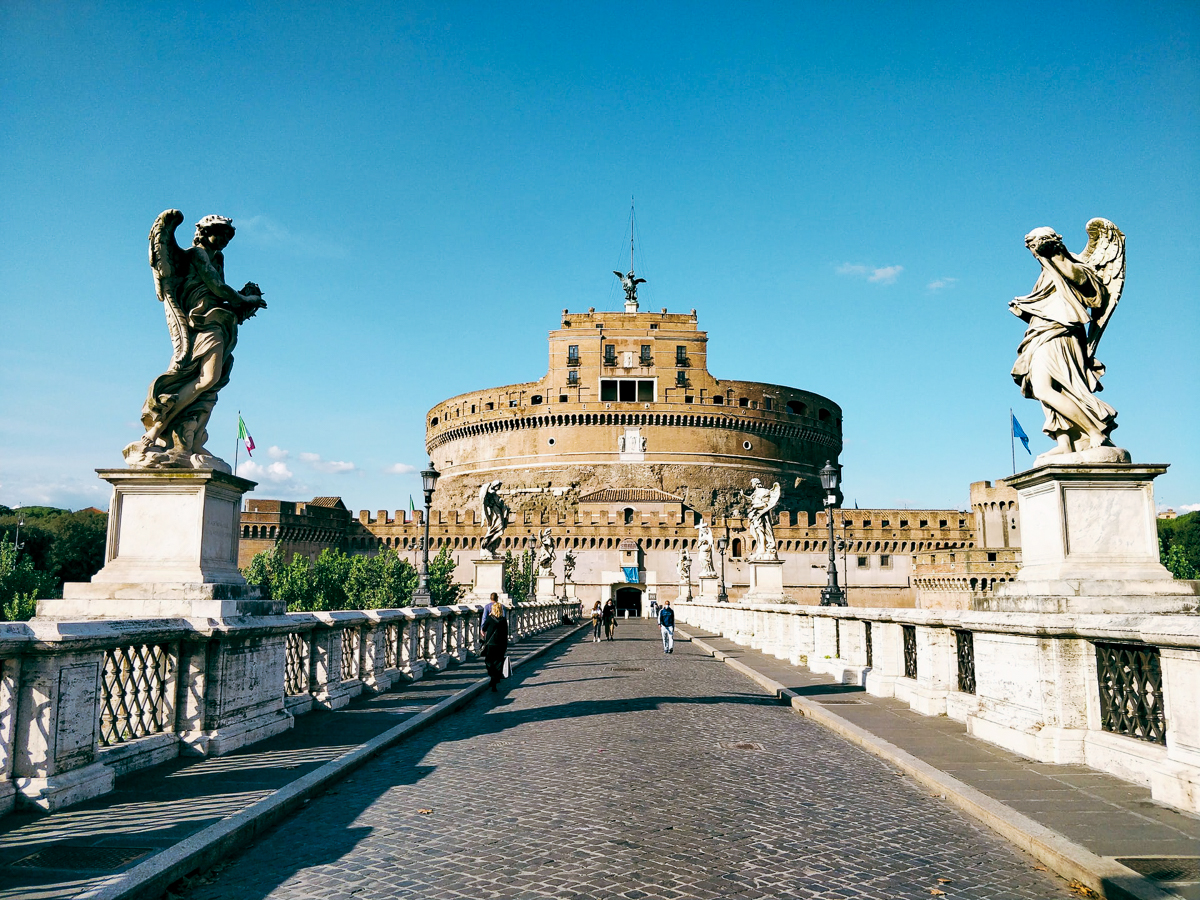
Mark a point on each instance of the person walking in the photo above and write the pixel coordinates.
(666, 623)
(597, 615)
(610, 619)
(495, 642)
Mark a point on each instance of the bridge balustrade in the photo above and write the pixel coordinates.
(1117, 692)
(82, 702)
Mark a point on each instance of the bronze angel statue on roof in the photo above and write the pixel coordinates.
(203, 315)
(629, 283)
(1067, 312)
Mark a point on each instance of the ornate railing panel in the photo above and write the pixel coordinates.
(391, 645)
(910, 650)
(1131, 692)
(350, 644)
(965, 646)
(295, 667)
(133, 697)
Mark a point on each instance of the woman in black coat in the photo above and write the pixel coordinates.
(495, 643)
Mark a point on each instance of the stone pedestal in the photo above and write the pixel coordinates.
(545, 587)
(685, 591)
(710, 587)
(766, 581)
(1090, 543)
(489, 579)
(172, 551)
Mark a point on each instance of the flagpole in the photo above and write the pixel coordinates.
(1012, 439)
(237, 443)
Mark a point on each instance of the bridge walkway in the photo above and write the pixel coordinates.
(613, 770)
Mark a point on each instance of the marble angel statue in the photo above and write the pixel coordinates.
(203, 315)
(569, 566)
(704, 550)
(1067, 312)
(495, 519)
(546, 552)
(762, 502)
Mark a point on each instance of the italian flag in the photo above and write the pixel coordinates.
(244, 435)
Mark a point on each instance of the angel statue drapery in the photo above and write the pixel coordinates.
(546, 555)
(1067, 312)
(203, 315)
(495, 518)
(762, 501)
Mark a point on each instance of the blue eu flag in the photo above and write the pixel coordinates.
(631, 574)
(1020, 435)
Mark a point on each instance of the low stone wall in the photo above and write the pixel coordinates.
(1119, 693)
(83, 702)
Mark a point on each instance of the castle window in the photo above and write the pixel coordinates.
(688, 398)
(735, 549)
(744, 402)
(681, 378)
(563, 398)
(629, 515)
(904, 523)
(550, 442)
(573, 355)
(864, 562)
(767, 403)
(885, 524)
(610, 354)
(718, 400)
(535, 399)
(489, 406)
(924, 523)
(962, 523)
(646, 358)
(885, 561)
(573, 377)
(608, 389)
(823, 415)
(941, 523)
(866, 523)
(472, 407)
(654, 326)
(433, 421)
(512, 403)
(796, 408)
(627, 391)
(645, 391)
(681, 355)
(991, 557)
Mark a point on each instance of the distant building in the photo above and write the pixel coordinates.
(629, 441)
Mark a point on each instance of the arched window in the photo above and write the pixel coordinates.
(796, 408)
(629, 515)
(735, 549)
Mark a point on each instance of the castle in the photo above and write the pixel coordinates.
(622, 448)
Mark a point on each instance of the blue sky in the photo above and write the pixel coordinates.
(840, 190)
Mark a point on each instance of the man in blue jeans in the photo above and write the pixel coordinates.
(666, 622)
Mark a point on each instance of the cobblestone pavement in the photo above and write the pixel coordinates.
(613, 770)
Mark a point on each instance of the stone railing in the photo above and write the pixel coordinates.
(84, 701)
(1119, 692)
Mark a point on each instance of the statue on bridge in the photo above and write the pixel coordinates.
(546, 554)
(495, 519)
(704, 550)
(569, 566)
(203, 315)
(1067, 312)
(762, 503)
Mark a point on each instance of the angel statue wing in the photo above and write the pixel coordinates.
(1104, 254)
(774, 500)
(168, 263)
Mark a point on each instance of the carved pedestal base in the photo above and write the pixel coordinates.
(766, 581)
(489, 579)
(545, 587)
(709, 588)
(1090, 543)
(172, 551)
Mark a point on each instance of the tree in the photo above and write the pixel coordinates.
(21, 585)
(518, 574)
(330, 572)
(382, 581)
(442, 589)
(1179, 542)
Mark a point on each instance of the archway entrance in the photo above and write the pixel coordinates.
(629, 601)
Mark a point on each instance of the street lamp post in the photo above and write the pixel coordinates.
(429, 477)
(831, 594)
(17, 545)
(722, 543)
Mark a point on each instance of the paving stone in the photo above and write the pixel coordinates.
(581, 781)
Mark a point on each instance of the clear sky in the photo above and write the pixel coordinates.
(841, 191)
